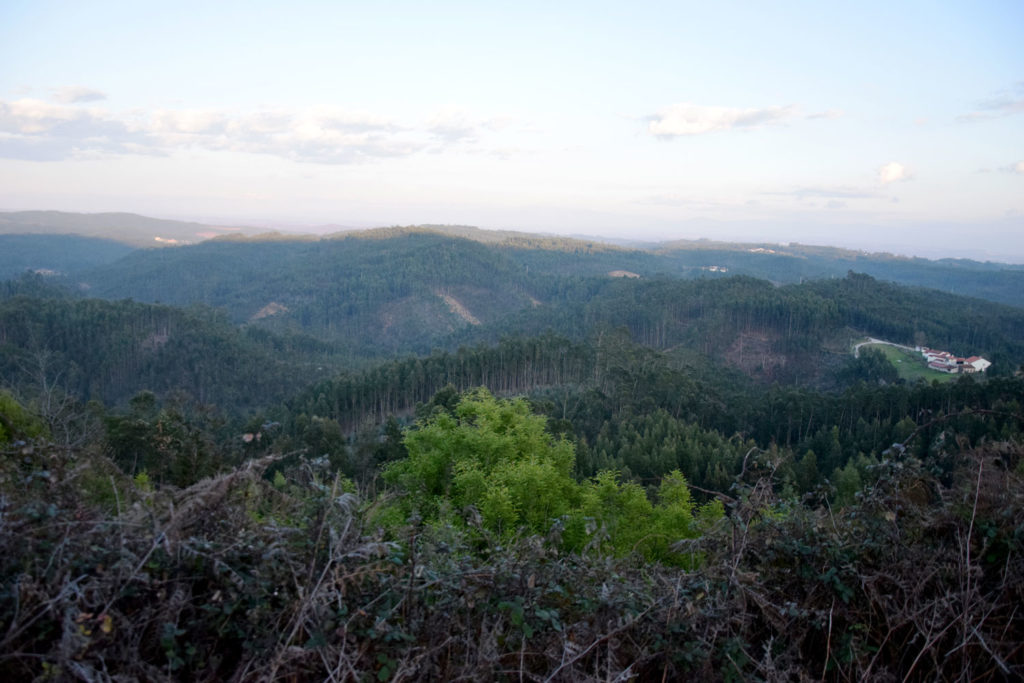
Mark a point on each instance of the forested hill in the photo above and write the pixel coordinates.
(795, 263)
(380, 295)
(56, 255)
(792, 263)
(109, 351)
(46, 240)
(795, 334)
(396, 291)
(363, 298)
(128, 228)
(783, 264)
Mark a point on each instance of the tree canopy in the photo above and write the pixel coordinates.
(492, 462)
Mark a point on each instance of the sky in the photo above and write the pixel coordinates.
(884, 126)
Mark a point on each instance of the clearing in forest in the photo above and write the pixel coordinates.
(456, 307)
(273, 308)
(910, 364)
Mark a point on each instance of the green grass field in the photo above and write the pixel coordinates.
(910, 364)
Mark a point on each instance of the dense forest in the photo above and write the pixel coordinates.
(79, 246)
(417, 454)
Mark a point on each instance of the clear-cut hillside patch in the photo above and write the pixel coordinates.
(155, 341)
(456, 307)
(273, 308)
(753, 354)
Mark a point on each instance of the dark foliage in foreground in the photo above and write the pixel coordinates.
(239, 578)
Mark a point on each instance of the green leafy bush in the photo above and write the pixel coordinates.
(16, 422)
(495, 459)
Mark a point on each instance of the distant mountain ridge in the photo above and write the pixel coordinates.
(56, 255)
(550, 254)
(129, 228)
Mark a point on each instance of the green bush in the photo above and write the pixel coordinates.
(497, 458)
(16, 422)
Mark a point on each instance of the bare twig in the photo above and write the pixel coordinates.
(629, 624)
(828, 641)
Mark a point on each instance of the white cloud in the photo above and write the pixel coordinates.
(28, 116)
(44, 131)
(803, 193)
(693, 119)
(827, 114)
(893, 172)
(186, 121)
(1004, 103)
(73, 94)
(452, 125)
(1017, 168)
(342, 120)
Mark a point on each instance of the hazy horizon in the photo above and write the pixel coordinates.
(875, 127)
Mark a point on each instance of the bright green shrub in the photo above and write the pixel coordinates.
(496, 457)
(622, 519)
(16, 422)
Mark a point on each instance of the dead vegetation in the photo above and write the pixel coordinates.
(239, 578)
(273, 308)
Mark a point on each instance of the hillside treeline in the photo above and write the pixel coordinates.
(798, 334)
(643, 413)
(793, 324)
(381, 296)
(108, 351)
(392, 293)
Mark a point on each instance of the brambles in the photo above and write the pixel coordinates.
(241, 576)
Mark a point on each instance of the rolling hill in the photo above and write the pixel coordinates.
(376, 295)
(782, 264)
(129, 228)
(56, 254)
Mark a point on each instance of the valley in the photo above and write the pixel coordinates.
(466, 405)
(563, 342)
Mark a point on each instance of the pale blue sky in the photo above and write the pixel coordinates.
(896, 126)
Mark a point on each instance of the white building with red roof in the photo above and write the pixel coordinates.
(944, 361)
